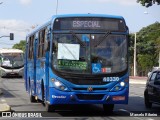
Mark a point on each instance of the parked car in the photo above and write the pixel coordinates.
(153, 69)
(152, 90)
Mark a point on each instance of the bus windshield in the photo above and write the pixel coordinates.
(12, 60)
(89, 53)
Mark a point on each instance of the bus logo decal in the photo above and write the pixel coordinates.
(90, 89)
(96, 67)
(54, 96)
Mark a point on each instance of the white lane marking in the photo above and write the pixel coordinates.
(141, 96)
(136, 95)
(3, 100)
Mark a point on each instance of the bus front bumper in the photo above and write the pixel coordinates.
(11, 72)
(77, 97)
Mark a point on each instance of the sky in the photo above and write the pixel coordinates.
(19, 16)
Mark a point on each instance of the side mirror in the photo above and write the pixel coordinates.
(0, 61)
(11, 36)
(54, 48)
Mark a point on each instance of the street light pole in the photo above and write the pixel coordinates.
(135, 67)
(57, 7)
(11, 36)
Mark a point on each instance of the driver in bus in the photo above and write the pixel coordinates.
(6, 62)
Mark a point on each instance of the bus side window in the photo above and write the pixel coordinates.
(46, 40)
(39, 45)
(32, 44)
(54, 48)
(42, 39)
(29, 48)
(0, 60)
(55, 44)
(42, 42)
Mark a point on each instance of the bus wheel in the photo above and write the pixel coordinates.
(108, 108)
(43, 94)
(32, 98)
(49, 108)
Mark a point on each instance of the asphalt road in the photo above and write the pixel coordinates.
(14, 94)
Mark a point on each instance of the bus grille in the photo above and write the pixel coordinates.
(11, 68)
(90, 96)
(87, 79)
(94, 89)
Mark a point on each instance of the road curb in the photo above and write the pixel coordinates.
(5, 107)
(135, 81)
(138, 77)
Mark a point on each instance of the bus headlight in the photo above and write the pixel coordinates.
(120, 86)
(59, 85)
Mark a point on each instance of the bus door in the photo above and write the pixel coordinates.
(25, 66)
(30, 65)
(38, 67)
(42, 65)
(47, 53)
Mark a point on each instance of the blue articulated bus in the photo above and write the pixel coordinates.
(78, 59)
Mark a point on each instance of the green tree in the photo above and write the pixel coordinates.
(148, 43)
(20, 45)
(148, 3)
(158, 44)
(145, 63)
(131, 52)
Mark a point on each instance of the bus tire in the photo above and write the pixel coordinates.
(108, 108)
(43, 94)
(32, 98)
(49, 108)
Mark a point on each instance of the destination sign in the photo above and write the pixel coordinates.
(84, 23)
(70, 64)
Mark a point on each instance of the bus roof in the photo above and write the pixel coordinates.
(73, 15)
(10, 51)
(88, 15)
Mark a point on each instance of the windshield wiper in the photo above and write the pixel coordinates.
(103, 38)
(80, 42)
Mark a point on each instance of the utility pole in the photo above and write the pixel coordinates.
(135, 63)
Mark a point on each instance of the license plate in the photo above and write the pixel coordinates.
(12, 73)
